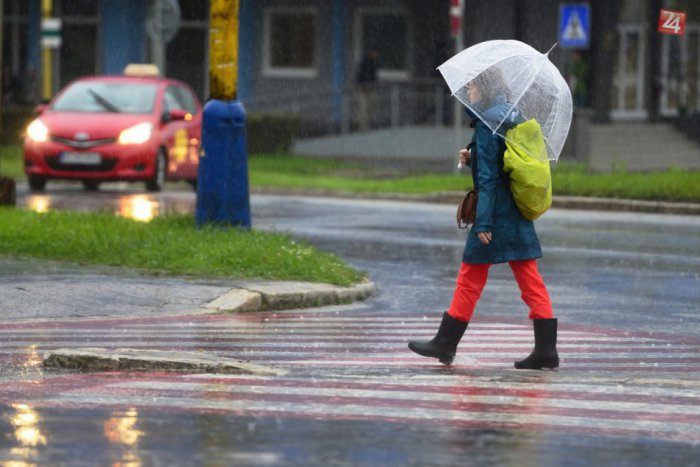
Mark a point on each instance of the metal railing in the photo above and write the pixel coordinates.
(384, 105)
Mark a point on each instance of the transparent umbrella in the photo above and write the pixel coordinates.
(521, 80)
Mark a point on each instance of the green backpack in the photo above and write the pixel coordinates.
(530, 180)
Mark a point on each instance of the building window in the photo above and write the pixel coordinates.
(290, 42)
(388, 31)
(14, 48)
(86, 8)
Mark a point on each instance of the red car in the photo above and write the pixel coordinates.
(104, 128)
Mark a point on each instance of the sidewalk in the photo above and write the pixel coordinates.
(39, 290)
(410, 148)
(636, 146)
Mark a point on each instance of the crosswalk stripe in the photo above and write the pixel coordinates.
(383, 351)
(288, 328)
(687, 355)
(506, 363)
(345, 340)
(589, 388)
(690, 412)
(397, 334)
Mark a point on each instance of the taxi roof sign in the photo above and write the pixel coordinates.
(142, 69)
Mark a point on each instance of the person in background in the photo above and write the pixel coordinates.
(10, 85)
(366, 81)
(578, 79)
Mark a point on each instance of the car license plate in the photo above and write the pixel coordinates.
(81, 158)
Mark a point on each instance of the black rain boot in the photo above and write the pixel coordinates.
(444, 344)
(545, 354)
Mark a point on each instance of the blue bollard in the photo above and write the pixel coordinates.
(222, 182)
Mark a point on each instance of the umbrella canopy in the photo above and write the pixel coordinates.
(515, 83)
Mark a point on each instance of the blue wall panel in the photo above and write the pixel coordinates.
(34, 36)
(123, 34)
(338, 57)
(248, 15)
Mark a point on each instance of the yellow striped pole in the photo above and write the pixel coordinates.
(46, 56)
(2, 20)
(223, 49)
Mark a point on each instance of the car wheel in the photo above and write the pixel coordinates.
(193, 184)
(156, 183)
(37, 183)
(91, 185)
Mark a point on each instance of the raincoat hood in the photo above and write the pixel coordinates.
(499, 111)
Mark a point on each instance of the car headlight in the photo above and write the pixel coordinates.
(137, 134)
(38, 132)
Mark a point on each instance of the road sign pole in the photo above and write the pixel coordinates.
(46, 56)
(162, 25)
(456, 12)
(8, 187)
(2, 19)
(157, 43)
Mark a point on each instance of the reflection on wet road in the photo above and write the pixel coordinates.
(138, 206)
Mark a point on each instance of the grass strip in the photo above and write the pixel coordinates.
(11, 164)
(287, 171)
(283, 170)
(169, 245)
(567, 179)
(669, 185)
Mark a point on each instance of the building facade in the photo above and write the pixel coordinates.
(302, 56)
(100, 37)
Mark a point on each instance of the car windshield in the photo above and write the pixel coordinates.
(106, 97)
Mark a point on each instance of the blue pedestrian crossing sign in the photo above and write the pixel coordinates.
(574, 25)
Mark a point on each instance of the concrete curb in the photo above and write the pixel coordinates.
(614, 204)
(453, 197)
(101, 359)
(270, 295)
(248, 296)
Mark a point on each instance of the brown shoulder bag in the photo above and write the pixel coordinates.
(466, 211)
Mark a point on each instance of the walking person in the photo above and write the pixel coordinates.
(500, 234)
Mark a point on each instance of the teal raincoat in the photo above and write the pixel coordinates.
(514, 237)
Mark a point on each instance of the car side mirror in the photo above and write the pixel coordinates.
(177, 114)
(39, 109)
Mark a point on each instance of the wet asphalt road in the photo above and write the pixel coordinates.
(630, 278)
(628, 271)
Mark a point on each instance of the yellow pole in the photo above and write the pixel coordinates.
(46, 56)
(2, 20)
(223, 49)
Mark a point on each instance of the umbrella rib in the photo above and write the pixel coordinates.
(457, 69)
(554, 122)
(515, 103)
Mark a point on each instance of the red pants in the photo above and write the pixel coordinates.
(472, 279)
